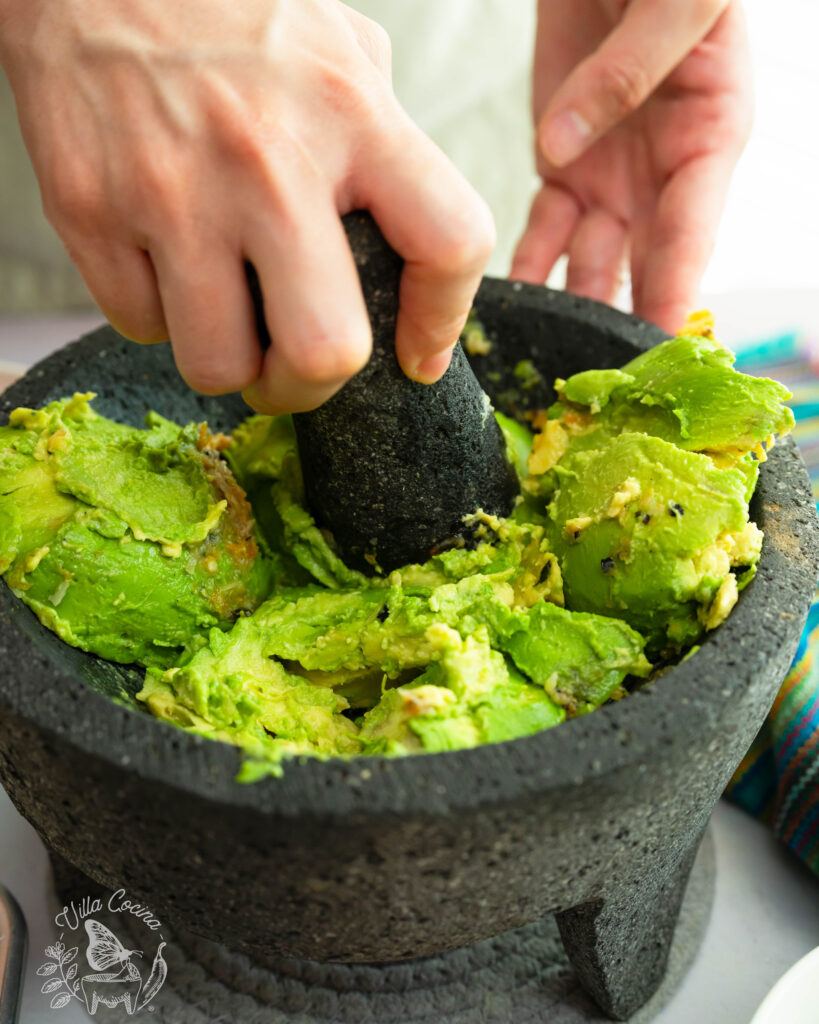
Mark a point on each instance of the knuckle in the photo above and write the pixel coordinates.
(347, 94)
(625, 84)
(281, 185)
(155, 197)
(322, 362)
(733, 134)
(376, 42)
(245, 146)
(466, 241)
(214, 377)
(235, 128)
(157, 176)
(72, 196)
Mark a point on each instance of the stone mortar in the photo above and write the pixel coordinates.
(519, 977)
(597, 820)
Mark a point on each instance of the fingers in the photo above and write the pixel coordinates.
(597, 256)
(679, 241)
(553, 217)
(668, 250)
(123, 283)
(314, 309)
(639, 253)
(647, 44)
(209, 316)
(596, 243)
(436, 221)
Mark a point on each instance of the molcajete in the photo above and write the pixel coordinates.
(596, 820)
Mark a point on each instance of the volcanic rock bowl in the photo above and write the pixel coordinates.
(597, 820)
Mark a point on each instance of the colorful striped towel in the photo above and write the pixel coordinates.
(778, 780)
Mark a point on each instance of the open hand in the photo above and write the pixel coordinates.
(642, 110)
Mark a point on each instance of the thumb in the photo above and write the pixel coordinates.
(621, 74)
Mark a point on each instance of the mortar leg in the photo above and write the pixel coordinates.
(619, 946)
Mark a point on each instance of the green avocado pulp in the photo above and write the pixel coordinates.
(194, 556)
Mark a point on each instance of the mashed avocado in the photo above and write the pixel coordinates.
(686, 392)
(649, 533)
(128, 543)
(648, 471)
(196, 557)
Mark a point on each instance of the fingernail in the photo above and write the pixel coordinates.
(565, 137)
(432, 368)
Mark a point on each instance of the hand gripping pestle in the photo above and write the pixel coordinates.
(391, 467)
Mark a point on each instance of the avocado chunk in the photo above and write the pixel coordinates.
(648, 470)
(685, 391)
(470, 695)
(232, 690)
(128, 543)
(580, 659)
(435, 667)
(649, 533)
(195, 556)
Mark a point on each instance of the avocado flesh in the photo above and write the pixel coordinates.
(127, 543)
(629, 540)
(684, 391)
(687, 392)
(652, 466)
(469, 695)
(649, 533)
(417, 633)
(377, 643)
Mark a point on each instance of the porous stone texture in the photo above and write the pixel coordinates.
(521, 977)
(376, 859)
(392, 466)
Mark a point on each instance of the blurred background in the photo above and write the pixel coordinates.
(764, 274)
(461, 69)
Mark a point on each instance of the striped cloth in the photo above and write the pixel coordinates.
(778, 779)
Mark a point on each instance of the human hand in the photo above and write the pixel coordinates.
(174, 141)
(642, 110)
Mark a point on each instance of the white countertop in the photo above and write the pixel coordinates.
(766, 911)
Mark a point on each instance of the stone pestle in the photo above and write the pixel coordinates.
(390, 466)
